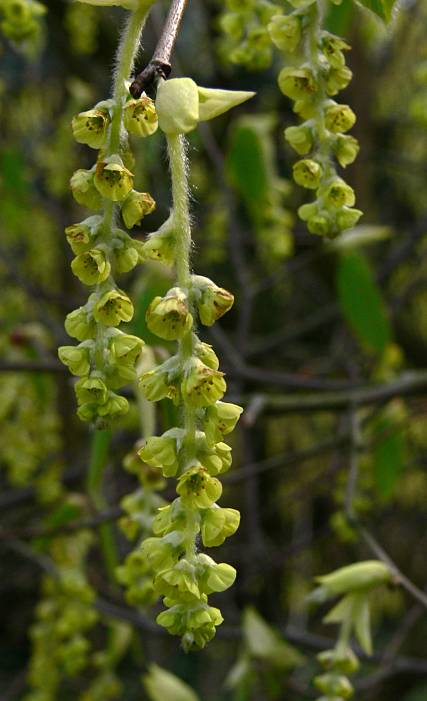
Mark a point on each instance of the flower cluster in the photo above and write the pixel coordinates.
(20, 19)
(60, 646)
(318, 73)
(140, 508)
(353, 584)
(196, 455)
(245, 26)
(194, 452)
(105, 359)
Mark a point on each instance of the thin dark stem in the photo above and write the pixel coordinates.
(35, 366)
(95, 521)
(160, 65)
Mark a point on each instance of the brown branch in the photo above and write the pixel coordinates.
(409, 384)
(160, 66)
(36, 366)
(98, 519)
(374, 546)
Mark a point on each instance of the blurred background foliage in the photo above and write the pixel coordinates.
(312, 321)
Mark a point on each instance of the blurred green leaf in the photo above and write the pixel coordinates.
(239, 673)
(66, 512)
(161, 685)
(247, 164)
(388, 454)
(265, 643)
(417, 694)
(382, 8)
(339, 17)
(12, 169)
(361, 302)
(360, 236)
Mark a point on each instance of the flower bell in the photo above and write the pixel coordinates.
(198, 490)
(307, 173)
(168, 317)
(112, 308)
(201, 385)
(91, 127)
(160, 245)
(140, 116)
(136, 206)
(160, 383)
(112, 179)
(339, 194)
(80, 236)
(91, 390)
(212, 301)
(297, 83)
(84, 190)
(339, 118)
(285, 32)
(300, 138)
(91, 267)
(80, 324)
(76, 358)
(218, 524)
(162, 451)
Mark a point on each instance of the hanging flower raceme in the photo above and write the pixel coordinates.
(318, 72)
(20, 19)
(245, 27)
(106, 357)
(194, 452)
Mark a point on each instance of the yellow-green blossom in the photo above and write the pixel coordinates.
(112, 308)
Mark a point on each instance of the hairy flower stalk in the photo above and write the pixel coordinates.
(318, 73)
(193, 452)
(106, 357)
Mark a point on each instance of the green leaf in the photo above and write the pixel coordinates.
(362, 622)
(161, 685)
(339, 17)
(388, 454)
(247, 164)
(65, 513)
(364, 235)
(361, 302)
(382, 8)
(263, 642)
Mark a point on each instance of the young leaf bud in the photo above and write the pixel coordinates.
(213, 102)
(177, 105)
